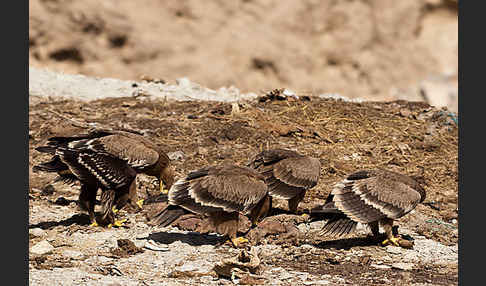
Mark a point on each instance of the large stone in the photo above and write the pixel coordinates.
(37, 232)
(41, 248)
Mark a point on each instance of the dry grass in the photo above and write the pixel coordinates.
(412, 138)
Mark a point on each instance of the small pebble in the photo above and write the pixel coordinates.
(175, 156)
(151, 245)
(380, 266)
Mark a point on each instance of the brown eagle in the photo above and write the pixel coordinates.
(371, 197)
(109, 160)
(219, 192)
(287, 173)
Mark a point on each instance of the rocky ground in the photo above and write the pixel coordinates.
(410, 137)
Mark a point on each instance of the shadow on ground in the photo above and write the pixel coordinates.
(348, 243)
(191, 238)
(79, 219)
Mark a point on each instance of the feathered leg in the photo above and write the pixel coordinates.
(108, 210)
(293, 203)
(375, 228)
(227, 224)
(124, 196)
(231, 231)
(260, 211)
(87, 200)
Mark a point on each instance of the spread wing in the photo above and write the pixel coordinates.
(228, 188)
(368, 196)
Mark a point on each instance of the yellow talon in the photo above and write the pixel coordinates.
(119, 223)
(238, 240)
(242, 240)
(162, 188)
(114, 209)
(392, 240)
(255, 222)
(93, 224)
(140, 203)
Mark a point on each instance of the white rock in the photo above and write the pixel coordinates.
(340, 97)
(306, 247)
(188, 266)
(317, 282)
(74, 254)
(37, 232)
(303, 277)
(288, 92)
(403, 265)
(206, 248)
(394, 249)
(111, 242)
(317, 225)
(380, 266)
(183, 81)
(140, 243)
(98, 259)
(176, 156)
(410, 256)
(285, 275)
(155, 246)
(41, 248)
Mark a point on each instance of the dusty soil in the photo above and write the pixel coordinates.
(369, 49)
(410, 137)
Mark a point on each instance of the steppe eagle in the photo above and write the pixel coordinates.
(371, 197)
(287, 173)
(109, 160)
(219, 192)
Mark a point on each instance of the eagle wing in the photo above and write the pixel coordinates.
(129, 149)
(286, 172)
(228, 188)
(87, 165)
(368, 196)
(108, 156)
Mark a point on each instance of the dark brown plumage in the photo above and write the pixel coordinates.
(220, 192)
(370, 197)
(287, 173)
(109, 160)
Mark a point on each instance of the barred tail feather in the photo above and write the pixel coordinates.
(159, 198)
(107, 203)
(55, 165)
(66, 179)
(46, 149)
(338, 226)
(168, 215)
